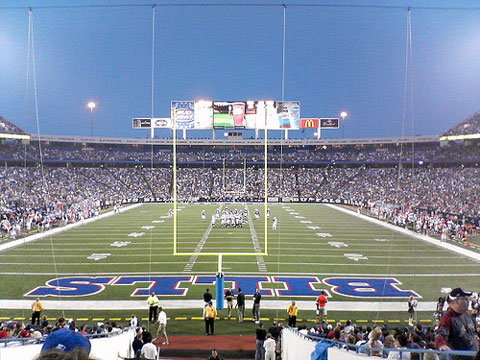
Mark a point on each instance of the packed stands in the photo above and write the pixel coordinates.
(51, 182)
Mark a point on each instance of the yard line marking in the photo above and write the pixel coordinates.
(256, 246)
(193, 259)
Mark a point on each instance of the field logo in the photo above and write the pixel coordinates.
(369, 288)
(279, 286)
(72, 287)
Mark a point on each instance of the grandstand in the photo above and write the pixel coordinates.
(413, 185)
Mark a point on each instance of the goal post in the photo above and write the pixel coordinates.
(176, 250)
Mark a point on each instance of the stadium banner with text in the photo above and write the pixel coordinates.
(309, 123)
(148, 123)
(329, 123)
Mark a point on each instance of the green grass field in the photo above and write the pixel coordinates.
(301, 246)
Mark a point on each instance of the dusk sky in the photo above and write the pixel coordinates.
(338, 58)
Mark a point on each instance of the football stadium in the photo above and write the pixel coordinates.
(265, 202)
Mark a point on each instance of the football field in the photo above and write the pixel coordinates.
(121, 257)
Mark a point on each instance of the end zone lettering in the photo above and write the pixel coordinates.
(271, 286)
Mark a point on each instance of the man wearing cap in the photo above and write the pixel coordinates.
(66, 341)
(456, 329)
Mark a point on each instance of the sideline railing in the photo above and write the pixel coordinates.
(362, 349)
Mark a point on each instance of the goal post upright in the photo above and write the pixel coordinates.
(266, 188)
(174, 190)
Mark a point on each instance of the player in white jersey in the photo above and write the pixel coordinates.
(214, 220)
(204, 216)
(274, 224)
(256, 215)
(170, 213)
(268, 213)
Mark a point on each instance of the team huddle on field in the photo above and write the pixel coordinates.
(235, 218)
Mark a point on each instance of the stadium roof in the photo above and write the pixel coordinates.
(467, 129)
(8, 130)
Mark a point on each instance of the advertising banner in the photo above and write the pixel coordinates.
(329, 123)
(229, 114)
(183, 113)
(309, 123)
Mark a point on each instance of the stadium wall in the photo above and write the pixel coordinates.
(105, 348)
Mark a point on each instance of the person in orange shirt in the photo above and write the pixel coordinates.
(322, 307)
(292, 314)
(37, 308)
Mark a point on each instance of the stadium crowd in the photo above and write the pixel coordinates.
(356, 154)
(40, 197)
(77, 181)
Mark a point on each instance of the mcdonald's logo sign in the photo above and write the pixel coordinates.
(309, 123)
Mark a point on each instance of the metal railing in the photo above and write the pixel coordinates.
(362, 349)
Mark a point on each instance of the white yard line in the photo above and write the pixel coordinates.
(198, 249)
(262, 267)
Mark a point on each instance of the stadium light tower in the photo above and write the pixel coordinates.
(91, 105)
(343, 115)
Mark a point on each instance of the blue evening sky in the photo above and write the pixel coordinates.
(337, 58)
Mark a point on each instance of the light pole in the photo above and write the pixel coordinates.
(91, 105)
(343, 115)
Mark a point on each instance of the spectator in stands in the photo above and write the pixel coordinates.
(137, 343)
(67, 341)
(374, 343)
(149, 351)
(261, 336)
(456, 329)
(401, 342)
(215, 355)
